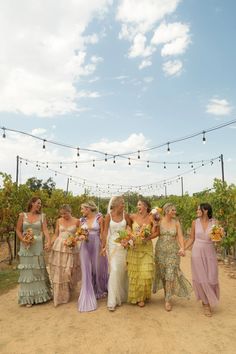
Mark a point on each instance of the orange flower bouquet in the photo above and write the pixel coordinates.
(145, 231)
(216, 233)
(125, 239)
(28, 237)
(70, 241)
(82, 234)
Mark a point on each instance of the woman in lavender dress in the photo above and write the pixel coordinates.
(94, 267)
(204, 261)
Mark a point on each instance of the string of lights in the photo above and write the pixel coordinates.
(118, 188)
(126, 154)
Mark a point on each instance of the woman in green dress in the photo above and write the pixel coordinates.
(34, 281)
(169, 248)
(140, 258)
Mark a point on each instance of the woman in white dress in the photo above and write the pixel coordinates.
(116, 220)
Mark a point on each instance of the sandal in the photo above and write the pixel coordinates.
(111, 308)
(28, 305)
(141, 304)
(207, 310)
(168, 306)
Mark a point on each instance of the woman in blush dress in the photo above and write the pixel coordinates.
(204, 260)
(94, 266)
(169, 248)
(115, 221)
(140, 258)
(64, 261)
(34, 281)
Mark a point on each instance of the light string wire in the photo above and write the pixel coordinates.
(118, 187)
(105, 154)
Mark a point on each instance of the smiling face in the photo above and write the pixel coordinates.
(172, 212)
(65, 214)
(84, 211)
(142, 207)
(36, 206)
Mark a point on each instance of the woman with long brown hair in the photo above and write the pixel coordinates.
(34, 281)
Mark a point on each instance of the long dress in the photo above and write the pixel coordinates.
(140, 268)
(94, 269)
(118, 279)
(64, 266)
(34, 281)
(204, 266)
(167, 266)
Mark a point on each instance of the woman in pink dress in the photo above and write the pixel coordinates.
(64, 261)
(204, 261)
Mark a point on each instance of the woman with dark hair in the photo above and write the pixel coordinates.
(169, 248)
(64, 261)
(204, 260)
(140, 258)
(34, 281)
(94, 266)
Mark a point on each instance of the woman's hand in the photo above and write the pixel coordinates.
(47, 246)
(181, 252)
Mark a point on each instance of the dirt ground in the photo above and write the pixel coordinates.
(44, 329)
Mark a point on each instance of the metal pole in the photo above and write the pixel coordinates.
(165, 190)
(67, 185)
(182, 186)
(222, 167)
(17, 182)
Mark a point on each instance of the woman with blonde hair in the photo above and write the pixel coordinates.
(115, 221)
(169, 248)
(94, 266)
(64, 261)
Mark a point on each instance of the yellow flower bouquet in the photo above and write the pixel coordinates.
(216, 234)
(125, 238)
(82, 234)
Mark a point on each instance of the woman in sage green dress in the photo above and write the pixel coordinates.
(169, 248)
(34, 282)
(140, 260)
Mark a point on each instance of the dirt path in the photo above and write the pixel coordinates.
(62, 330)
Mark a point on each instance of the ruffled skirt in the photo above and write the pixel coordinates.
(64, 269)
(140, 271)
(34, 282)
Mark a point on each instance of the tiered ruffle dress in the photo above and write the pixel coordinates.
(140, 268)
(64, 266)
(34, 281)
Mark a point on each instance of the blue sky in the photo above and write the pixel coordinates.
(119, 76)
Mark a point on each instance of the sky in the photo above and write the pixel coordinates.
(119, 77)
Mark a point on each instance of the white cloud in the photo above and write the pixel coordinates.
(219, 107)
(87, 94)
(45, 54)
(148, 79)
(172, 67)
(144, 13)
(138, 19)
(38, 131)
(145, 63)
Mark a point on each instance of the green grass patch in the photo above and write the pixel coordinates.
(8, 279)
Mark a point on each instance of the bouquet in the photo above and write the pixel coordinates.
(28, 237)
(216, 233)
(70, 241)
(125, 239)
(82, 234)
(145, 231)
(156, 213)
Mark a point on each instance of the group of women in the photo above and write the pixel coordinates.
(108, 269)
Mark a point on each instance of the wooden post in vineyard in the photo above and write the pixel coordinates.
(17, 182)
(222, 167)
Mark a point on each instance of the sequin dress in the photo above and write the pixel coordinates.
(167, 266)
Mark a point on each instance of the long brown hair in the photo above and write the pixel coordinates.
(31, 202)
